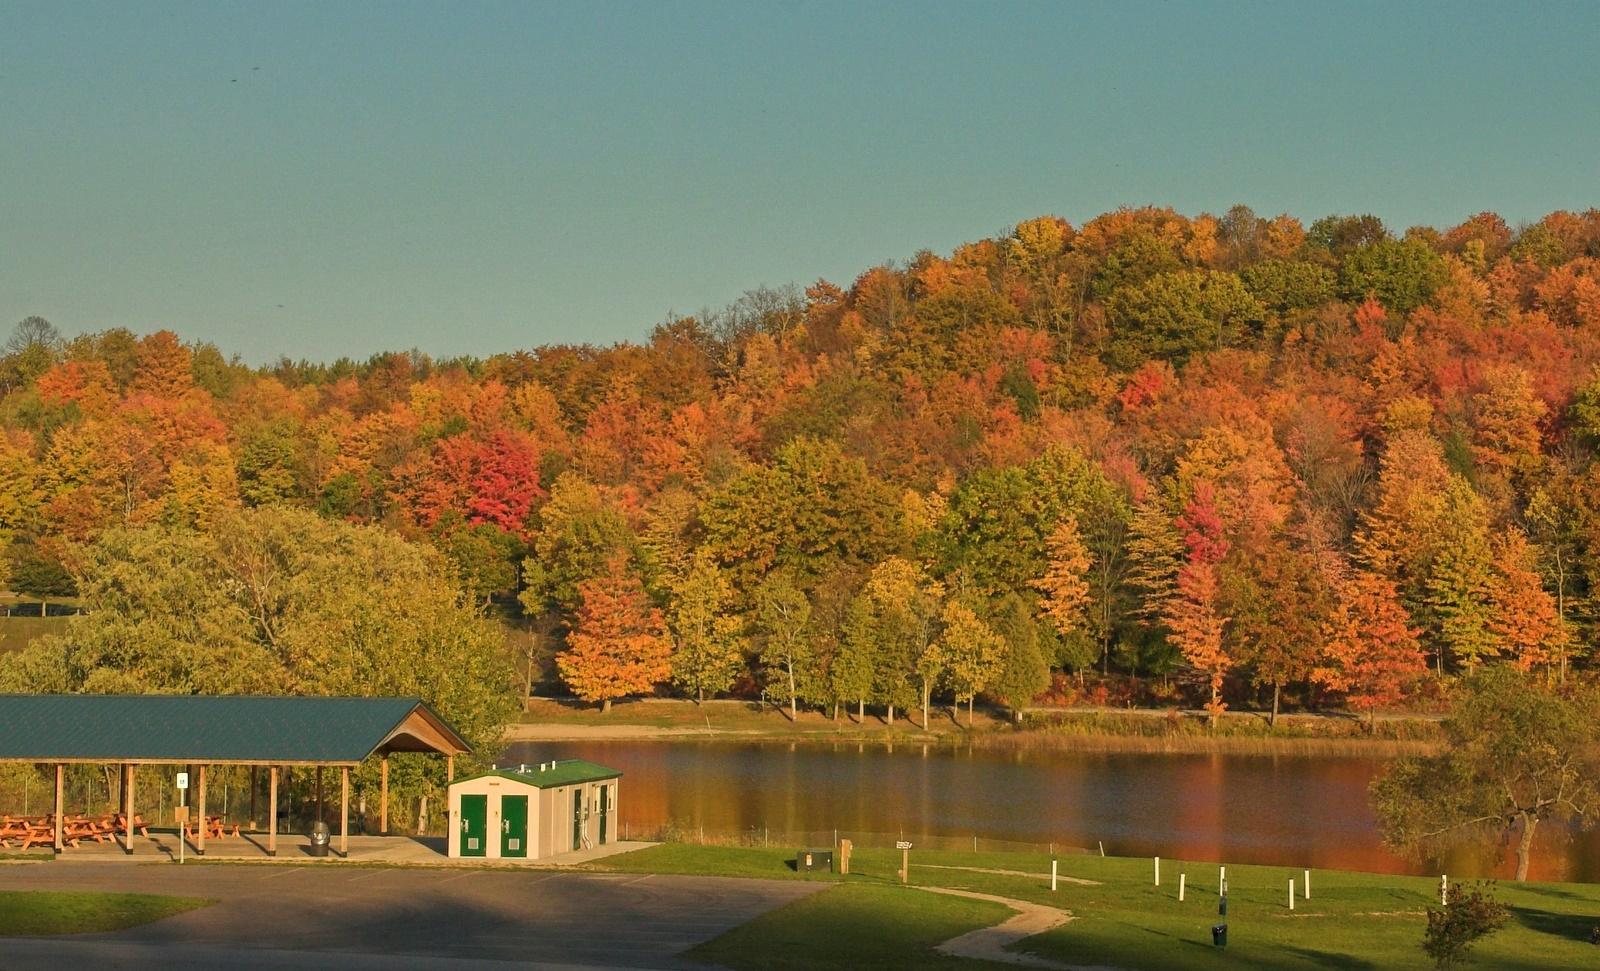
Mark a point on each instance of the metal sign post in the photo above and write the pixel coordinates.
(180, 812)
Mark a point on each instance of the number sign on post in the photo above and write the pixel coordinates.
(904, 846)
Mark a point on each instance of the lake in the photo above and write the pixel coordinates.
(1281, 810)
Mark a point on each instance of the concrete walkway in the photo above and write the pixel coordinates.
(993, 943)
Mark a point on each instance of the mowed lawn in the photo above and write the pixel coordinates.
(1352, 921)
(44, 913)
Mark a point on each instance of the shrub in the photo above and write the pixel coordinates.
(1466, 916)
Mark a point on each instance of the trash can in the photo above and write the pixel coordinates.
(320, 834)
(1219, 935)
(811, 860)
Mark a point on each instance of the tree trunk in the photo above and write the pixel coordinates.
(605, 707)
(836, 711)
(1525, 845)
(927, 689)
(969, 710)
(861, 711)
(699, 696)
(891, 716)
(1372, 720)
(1273, 721)
(794, 715)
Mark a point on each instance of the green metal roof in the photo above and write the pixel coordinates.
(568, 772)
(208, 728)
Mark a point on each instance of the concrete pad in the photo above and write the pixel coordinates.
(413, 850)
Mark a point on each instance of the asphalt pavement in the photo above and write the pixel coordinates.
(359, 918)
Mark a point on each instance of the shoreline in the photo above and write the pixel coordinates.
(1071, 730)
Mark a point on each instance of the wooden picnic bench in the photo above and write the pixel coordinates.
(216, 828)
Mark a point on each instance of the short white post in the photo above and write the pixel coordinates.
(1444, 889)
(1222, 881)
(1158, 871)
(1291, 893)
(1182, 879)
(1052, 876)
(1306, 889)
(1102, 847)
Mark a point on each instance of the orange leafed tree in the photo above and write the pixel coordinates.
(619, 646)
(1063, 585)
(1525, 616)
(1371, 651)
(1192, 613)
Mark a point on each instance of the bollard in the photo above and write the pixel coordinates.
(1222, 881)
(1102, 847)
(1306, 889)
(1158, 871)
(1182, 879)
(1291, 893)
(1052, 876)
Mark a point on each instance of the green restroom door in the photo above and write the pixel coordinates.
(577, 819)
(513, 825)
(474, 824)
(604, 805)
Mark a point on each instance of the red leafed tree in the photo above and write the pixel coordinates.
(619, 646)
(1525, 616)
(1192, 614)
(494, 481)
(1371, 651)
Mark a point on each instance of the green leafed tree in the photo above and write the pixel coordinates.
(707, 649)
(1517, 754)
(971, 654)
(783, 622)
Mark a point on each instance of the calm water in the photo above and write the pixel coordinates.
(1285, 810)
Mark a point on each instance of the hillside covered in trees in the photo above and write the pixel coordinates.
(1234, 458)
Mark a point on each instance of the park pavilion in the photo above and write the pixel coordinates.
(272, 733)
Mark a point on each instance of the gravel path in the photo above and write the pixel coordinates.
(991, 943)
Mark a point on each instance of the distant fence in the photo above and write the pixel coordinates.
(760, 836)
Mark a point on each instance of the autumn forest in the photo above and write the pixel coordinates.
(1228, 462)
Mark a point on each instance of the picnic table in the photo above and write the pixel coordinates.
(26, 832)
(216, 828)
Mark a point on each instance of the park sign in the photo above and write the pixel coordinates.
(902, 844)
(183, 780)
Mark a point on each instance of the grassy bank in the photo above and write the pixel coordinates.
(27, 913)
(1078, 729)
(1122, 919)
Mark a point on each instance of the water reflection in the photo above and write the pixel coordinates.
(1285, 810)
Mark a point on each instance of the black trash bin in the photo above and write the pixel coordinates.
(1219, 935)
(813, 860)
(320, 835)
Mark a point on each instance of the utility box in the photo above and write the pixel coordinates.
(811, 861)
(533, 811)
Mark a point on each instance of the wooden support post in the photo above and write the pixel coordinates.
(905, 865)
(272, 811)
(127, 808)
(254, 784)
(449, 769)
(320, 817)
(1183, 879)
(60, 802)
(200, 816)
(383, 794)
(1291, 893)
(344, 812)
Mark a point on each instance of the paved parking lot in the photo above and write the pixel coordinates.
(281, 915)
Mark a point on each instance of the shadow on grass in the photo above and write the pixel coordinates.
(1573, 927)
(1327, 959)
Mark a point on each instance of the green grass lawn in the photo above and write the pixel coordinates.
(29, 913)
(1352, 921)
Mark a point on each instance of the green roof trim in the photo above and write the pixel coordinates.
(567, 772)
(210, 728)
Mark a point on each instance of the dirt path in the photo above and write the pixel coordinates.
(1011, 873)
(991, 943)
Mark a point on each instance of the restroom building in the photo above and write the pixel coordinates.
(534, 811)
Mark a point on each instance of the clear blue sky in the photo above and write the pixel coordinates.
(324, 178)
